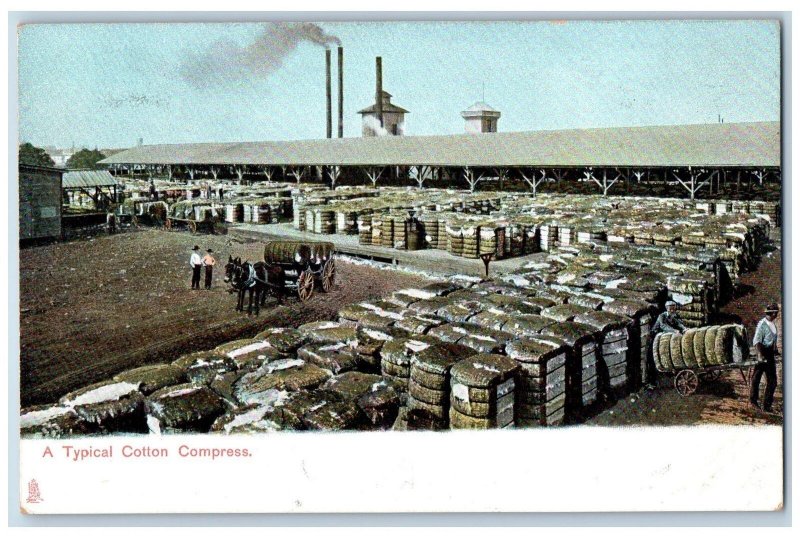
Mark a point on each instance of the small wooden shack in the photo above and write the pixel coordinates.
(39, 202)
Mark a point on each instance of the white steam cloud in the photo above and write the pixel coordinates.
(227, 60)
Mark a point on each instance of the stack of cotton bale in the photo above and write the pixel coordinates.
(378, 397)
(397, 354)
(548, 235)
(540, 392)
(429, 221)
(641, 313)
(615, 340)
(429, 382)
(694, 297)
(582, 382)
(364, 224)
(387, 230)
(492, 240)
(482, 392)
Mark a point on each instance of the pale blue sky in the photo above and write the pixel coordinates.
(108, 84)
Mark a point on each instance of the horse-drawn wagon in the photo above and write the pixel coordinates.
(304, 263)
(197, 216)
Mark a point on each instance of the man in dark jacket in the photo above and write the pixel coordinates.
(766, 342)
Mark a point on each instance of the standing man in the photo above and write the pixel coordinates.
(196, 262)
(208, 263)
(766, 342)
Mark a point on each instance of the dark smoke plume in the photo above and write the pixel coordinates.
(226, 60)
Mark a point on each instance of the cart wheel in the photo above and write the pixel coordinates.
(193, 227)
(305, 286)
(168, 224)
(686, 382)
(328, 275)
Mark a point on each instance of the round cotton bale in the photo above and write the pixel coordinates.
(709, 342)
(675, 354)
(181, 408)
(424, 394)
(699, 347)
(661, 352)
(723, 344)
(152, 377)
(429, 380)
(287, 252)
(687, 348)
(460, 421)
(741, 341)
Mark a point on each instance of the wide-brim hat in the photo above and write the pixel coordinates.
(209, 251)
(772, 308)
(671, 303)
(195, 247)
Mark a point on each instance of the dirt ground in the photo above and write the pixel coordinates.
(726, 400)
(92, 308)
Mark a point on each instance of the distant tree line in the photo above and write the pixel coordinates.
(81, 160)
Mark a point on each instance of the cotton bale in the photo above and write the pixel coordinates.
(336, 358)
(183, 408)
(152, 377)
(52, 421)
(109, 406)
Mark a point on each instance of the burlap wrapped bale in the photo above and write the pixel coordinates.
(152, 377)
(249, 419)
(285, 340)
(582, 375)
(461, 311)
(407, 296)
(204, 371)
(442, 289)
(675, 352)
(429, 307)
(451, 332)
(109, 407)
(687, 348)
(485, 340)
(401, 351)
(491, 319)
(336, 358)
(459, 421)
(248, 353)
(527, 325)
(418, 323)
(425, 394)
(724, 344)
(334, 416)
(48, 421)
(183, 408)
(328, 332)
(699, 347)
(285, 374)
(709, 342)
(511, 304)
(185, 361)
(564, 312)
(434, 416)
(351, 314)
(483, 370)
(287, 252)
(661, 352)
(585, 301)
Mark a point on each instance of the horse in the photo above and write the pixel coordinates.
(257, 279)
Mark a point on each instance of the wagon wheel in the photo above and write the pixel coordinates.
(328, 275)
(686, 382)
(192, 226)
(168, 224)
(305, 286)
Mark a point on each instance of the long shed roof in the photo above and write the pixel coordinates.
(755, 144)
(76, 179)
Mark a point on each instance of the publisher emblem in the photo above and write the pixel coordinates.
(34, 495)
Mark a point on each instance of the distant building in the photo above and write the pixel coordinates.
(39, 202)
(60, 156)
(480, 118)
(393, 118)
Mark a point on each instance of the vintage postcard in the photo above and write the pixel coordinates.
(397, 266)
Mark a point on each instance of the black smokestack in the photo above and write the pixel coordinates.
(341, 92)
(329, 120)
(379, 89)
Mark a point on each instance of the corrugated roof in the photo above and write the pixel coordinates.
(754, 144)
(74, 179)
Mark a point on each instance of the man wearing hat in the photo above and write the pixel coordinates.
(766, 342)
(208, 263)
(669, 321)
(196, 262)
(666, 322)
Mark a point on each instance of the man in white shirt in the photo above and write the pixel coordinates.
(766, 341)
(196, 263)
